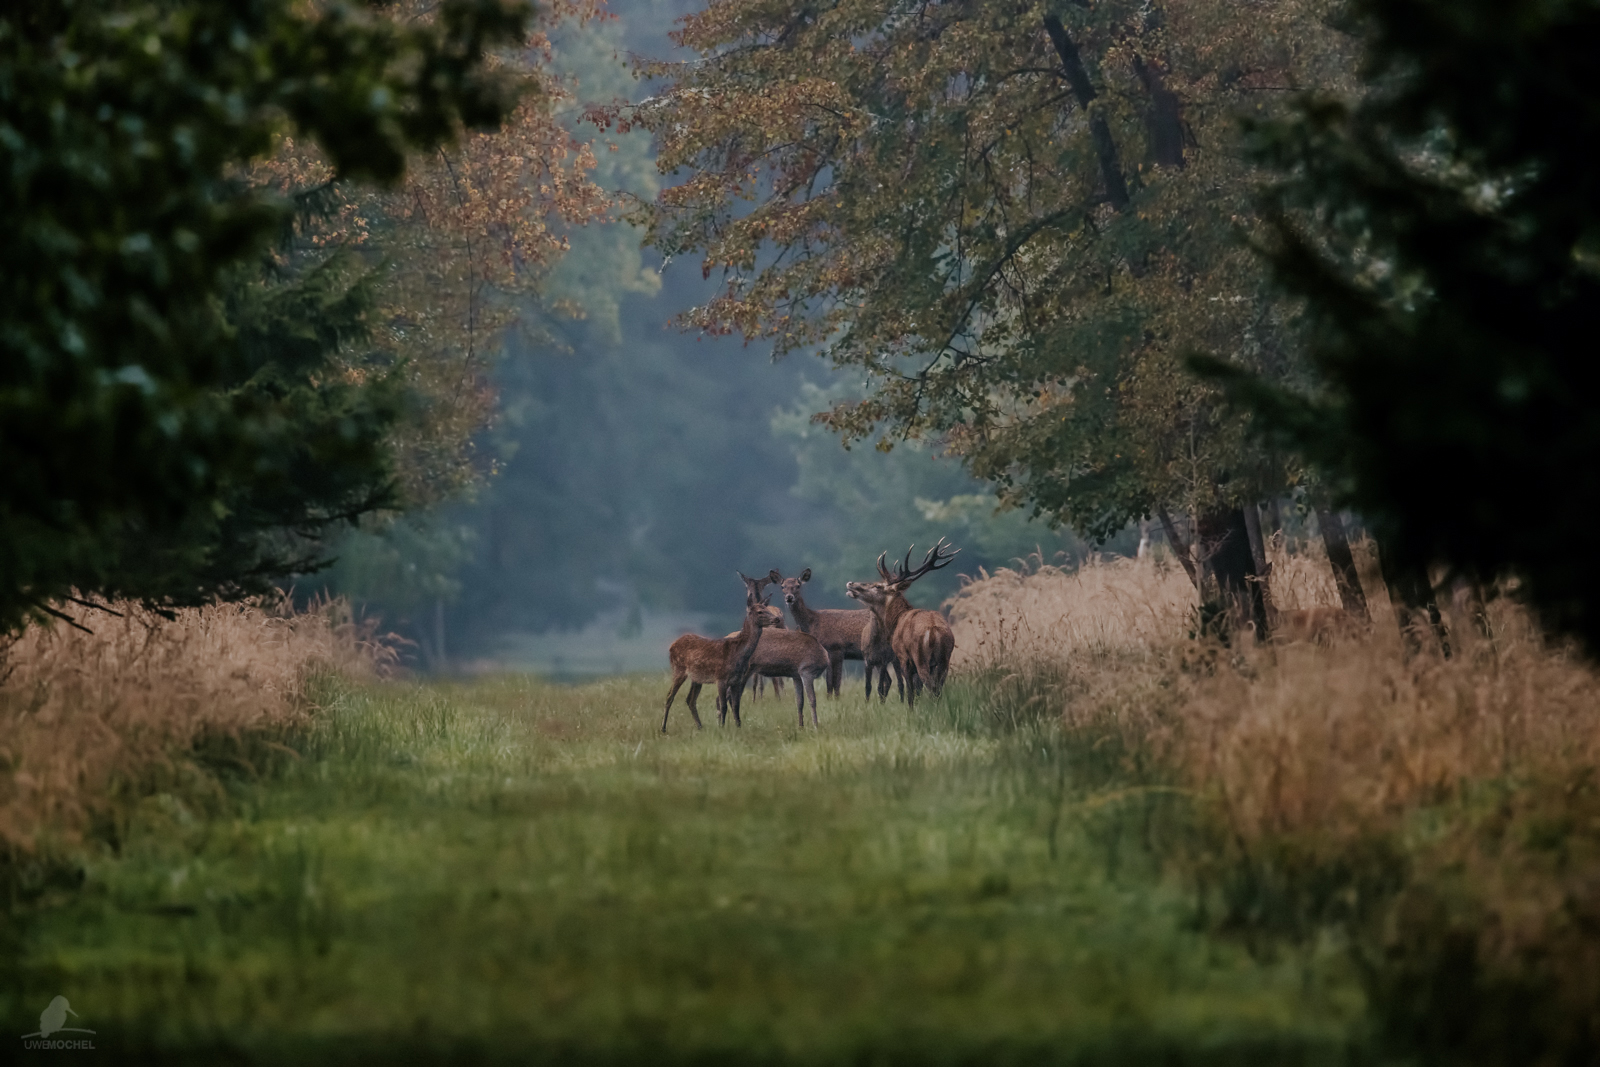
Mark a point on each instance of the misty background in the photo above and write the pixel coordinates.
(638, 466)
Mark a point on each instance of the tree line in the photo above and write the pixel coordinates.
(1125, 260)
(1133, 259)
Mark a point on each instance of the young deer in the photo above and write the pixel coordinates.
(794, 655)
(757, 683)
(724, 662)
(922, 640)
(838, 631)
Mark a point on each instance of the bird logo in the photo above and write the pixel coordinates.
(54, 1018)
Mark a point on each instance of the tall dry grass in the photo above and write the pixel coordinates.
(86, 717)
(1043, 614)
(1444, 809)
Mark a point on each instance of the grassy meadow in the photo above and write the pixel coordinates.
(1109, 842)
(512, 868)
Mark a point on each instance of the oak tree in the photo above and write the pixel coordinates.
(1013, 219)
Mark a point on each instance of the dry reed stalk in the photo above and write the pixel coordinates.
(85, 714)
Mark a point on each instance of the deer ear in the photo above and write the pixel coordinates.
(805, 575)
(774, 576)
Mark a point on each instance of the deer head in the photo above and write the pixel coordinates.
(894, 581)
(790, 586)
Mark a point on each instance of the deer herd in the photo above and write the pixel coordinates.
(889, 634)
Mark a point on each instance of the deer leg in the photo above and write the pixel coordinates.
(736, 702)
(694, 695)
(869, 682)
(777, 688)
(677, 683)
(800, 699)
(835, 679)
(811, 692)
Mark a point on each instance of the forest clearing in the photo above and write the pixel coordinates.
(392, 393)
(1106, 840)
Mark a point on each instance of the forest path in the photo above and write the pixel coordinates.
(509, 869)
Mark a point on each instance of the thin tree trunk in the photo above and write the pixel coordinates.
(1164, 120)
(1258, 552)
(1226, 540)
(1258, 547)
(1343, 563)
(1078, 78)
(438, 634)
(1412, 595)
(1179, 548)
(1274, 517)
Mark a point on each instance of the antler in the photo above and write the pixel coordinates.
(938, 556)
(883, 571)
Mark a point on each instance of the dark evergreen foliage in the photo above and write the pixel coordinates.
(1445, 236)
(157, 412)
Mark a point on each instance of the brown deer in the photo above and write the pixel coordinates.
(838, 631)
(723, 662)
(794, 655)
(922, 640)
(878, 653)
(757, 683)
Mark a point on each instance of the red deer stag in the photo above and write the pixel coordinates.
(921, 639)
(839, 632)
(723, 662)
(793, 655)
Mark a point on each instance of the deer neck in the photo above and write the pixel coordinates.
(804, 617)
(743, 647)
(891, 611)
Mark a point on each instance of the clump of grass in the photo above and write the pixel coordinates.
(88, 718)
(1441, 813)
(1030, 617)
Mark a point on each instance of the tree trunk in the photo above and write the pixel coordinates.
(1179, 548)
(1258, 553)
(1343, 563)
(1164, 119)
(1226, 539)
(1078, 78)
(1412, 595)
(1258, 547)
(1274, 525)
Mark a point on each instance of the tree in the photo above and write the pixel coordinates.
(1016, 219)
(1444, 234)
(133, 412)
(461, 246)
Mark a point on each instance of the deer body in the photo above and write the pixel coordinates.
(757, 682)
(723, 662)
(838, 631)
(797, 656)
(921, 640)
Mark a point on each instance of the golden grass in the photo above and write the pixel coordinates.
(1046, 614)
(1332, 738)
(1443, 811)
(86, 715)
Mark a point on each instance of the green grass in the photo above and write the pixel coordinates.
(514, 870)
